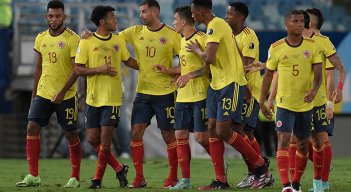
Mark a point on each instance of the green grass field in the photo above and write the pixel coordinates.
(54, 173)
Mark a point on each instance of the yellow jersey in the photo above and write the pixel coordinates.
(153, 47)
(227, 66)
(294, 66)
(96, 51)
(326, 49)
(249, 46)
(56, 53)
(196, 89)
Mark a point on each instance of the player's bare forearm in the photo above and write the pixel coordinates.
(273, 92)
(203, 70)
(317, 70)
(132, 63)
(336, 62)
(106, 69)
(248, 60)
(37, 74)
(266, 83)
(330, 83)
(70, 81)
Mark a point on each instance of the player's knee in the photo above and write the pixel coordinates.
(168, 136)
(136, 133)
(33, 129)
(302, 147)
(317, 143)
(72, 136)
(223, 134)
(202, 140)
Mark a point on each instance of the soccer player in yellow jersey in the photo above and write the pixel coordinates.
(190, 111)
(248, 44)
(323, 111)
(225, 94)
(298, 61)
(54, 90)
(99, 58)
(154, 43)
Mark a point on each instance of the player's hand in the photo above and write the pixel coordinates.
(337, 95)
(193, 47)
(265, 111)
(182, 81)
(174, 79)
(270, 105)
(160, 69)
(253, 67)
(330, 113)
(58, 98)
(309, 96)
(107, 69)
(86, 34)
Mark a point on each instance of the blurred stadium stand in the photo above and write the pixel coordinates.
(265, 16)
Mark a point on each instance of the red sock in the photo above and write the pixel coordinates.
(172, 161)
(75, 154)
(318, 157)
(292, 152)
(217, 157)
(102, 161)
(245, 149)
(137, 151)
(310, 151)
(328, 155)
(33, 152)
(300, 165)
(183, 153)
(283, 165)
(256, 146)
(111, 160)
(250, 167)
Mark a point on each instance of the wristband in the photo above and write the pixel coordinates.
(340, 85)
(329, 104)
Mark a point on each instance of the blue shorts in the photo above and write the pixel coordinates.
(250, 114)
(95, 117)
(226, 103)
(320, 121)
(191, 116)
(298, 123)
(41, 110)
(331, 127)
(146, 106)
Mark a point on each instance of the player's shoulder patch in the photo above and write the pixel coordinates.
(322, 36)
(279, 42)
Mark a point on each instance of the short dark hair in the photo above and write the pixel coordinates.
(316, 12)
(240, 8)
(55, 4)
(100, 12)
(293, 12)
(207, 4)
(151, 3)
(185, 13)
(306, 19)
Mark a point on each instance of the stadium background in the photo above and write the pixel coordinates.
(266, 17)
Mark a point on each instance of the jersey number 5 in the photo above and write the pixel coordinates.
(295, 71)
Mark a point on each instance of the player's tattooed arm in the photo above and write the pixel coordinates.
(337, 63)
(167, 71)
(184, 79)
(209, 55)
(106, 69)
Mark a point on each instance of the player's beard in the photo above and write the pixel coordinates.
(56, 28)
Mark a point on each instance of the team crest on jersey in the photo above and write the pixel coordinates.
(307, 54)
(78, 50)
(61, 45)
(163, 40)
(115, 47)
(279, 123)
